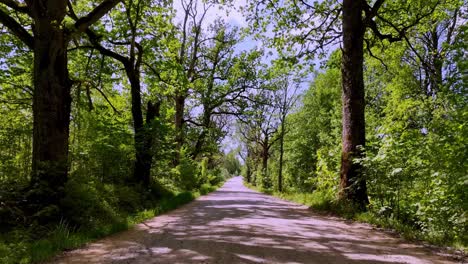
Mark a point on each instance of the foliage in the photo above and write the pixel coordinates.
(231, 163)
(187, 173)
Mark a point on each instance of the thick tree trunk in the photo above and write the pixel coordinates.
(353, 184)
(51, 105)
(143, 135)
(179, 123)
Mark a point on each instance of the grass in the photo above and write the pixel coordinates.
(326, 203)
(21, 246)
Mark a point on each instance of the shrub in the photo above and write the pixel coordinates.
(88, 203)
(187, 172)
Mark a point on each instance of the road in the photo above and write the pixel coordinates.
(238, 225)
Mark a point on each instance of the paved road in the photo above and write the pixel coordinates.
(238, 225)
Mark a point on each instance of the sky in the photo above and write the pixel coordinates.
(228, 14)
(231, 15)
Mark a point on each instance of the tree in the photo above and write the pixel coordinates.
(317, 26)
(286, 98)
(188, 60)
(224, 89)
(213, 90)
(132, 63)
(52, 85)
(258, 125)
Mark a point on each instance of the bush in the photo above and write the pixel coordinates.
(206, 188)
(88, 203)
(187, 173)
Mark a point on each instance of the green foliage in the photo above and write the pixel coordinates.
(211, 177)
(231, 163)
(206, 188)
(187, 173)
(415, 163)
(86, 203)
(311, 146)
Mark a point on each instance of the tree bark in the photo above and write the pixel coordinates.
(352, 183)
(206, 123)
(179, 123)
(436, 62)
(248, 167)
(280, 173)
(143, 135)
(265, 151)
(51, 104)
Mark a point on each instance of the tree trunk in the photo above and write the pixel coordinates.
(201, 137)
(280, 173)
(143, 135)
(265, 157)
(436, 63)
(353, 184)
(248, 172)
(51, 105)
(179, 123)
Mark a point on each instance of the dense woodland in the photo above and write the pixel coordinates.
(116, 111)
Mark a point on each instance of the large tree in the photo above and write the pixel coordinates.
(48, 38)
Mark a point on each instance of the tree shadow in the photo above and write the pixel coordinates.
(238, 225)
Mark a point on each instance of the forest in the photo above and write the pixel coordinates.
(115, 111)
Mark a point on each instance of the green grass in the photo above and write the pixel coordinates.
(22, 245)
(326, 203)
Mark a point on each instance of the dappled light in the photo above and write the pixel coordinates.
(238, 225)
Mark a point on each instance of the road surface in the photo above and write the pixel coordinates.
(238, 225)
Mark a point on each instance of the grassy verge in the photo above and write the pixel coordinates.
(22, 245)
(325, 203)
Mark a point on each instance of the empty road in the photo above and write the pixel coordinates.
(238, 225)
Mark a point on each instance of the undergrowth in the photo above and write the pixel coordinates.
(36, 243)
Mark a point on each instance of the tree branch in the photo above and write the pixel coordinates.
(17, 29)
(95, 40)
(16, 6)
(83, 23)
(368, 47)
(401, 31)
(107, 99)
(373, 26)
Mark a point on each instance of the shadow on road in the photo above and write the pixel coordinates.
(238, 225)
